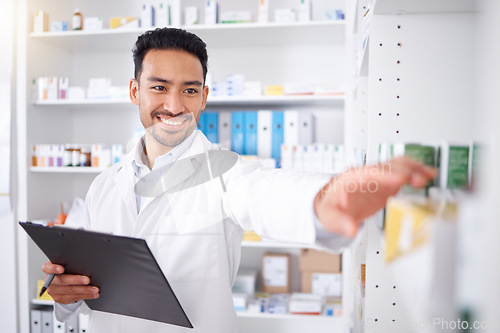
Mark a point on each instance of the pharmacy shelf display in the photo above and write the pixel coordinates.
(312, 52)
(397, 7)
(213, 35)
(67, 169)
(215, 101)
(331, 321)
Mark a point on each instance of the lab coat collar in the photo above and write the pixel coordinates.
(124, 177)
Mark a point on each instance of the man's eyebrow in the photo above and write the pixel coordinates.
(158, 79)
(186, 83)
(193, 83)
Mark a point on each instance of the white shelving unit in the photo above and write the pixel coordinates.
(414, 93)
(83, 102)
(242, 34)
(291, 100)
(67, 169)
(312, 52)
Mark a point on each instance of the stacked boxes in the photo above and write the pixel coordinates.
(320, 273)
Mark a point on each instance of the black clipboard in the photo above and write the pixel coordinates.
(130, 280)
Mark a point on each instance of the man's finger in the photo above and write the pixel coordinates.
(69, 279)
(50, 268)
(73, 290)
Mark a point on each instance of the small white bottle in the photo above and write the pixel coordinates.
(77, 20)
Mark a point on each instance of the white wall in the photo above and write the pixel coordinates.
(8, 306)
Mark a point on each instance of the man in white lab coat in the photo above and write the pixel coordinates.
(194, 229)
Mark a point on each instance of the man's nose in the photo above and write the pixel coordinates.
(173, 103)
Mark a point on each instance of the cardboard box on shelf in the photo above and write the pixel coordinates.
(276, 273)
(319, 261)
(320, 283)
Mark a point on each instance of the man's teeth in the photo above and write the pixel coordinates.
(171, 122)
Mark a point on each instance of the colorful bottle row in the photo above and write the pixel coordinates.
(73, 155)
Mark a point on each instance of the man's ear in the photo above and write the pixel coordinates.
(134, 91)
(205, 95)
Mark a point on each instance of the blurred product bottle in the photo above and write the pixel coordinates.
(77, 20)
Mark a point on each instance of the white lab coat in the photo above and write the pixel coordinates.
(195, 234)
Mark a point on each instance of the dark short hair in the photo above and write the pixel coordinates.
(169, 39)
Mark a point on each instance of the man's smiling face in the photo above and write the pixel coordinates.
(171, 94)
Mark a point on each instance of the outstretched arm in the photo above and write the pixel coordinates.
(343, 204)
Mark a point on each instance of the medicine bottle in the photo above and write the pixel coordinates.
(75, 156)
(42, 154)
(77, 20)
(68, 152)
(34, 157)
(85, 157)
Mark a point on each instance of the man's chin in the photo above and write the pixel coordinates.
(172, 139)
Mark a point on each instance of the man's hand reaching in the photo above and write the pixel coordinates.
(358, 193)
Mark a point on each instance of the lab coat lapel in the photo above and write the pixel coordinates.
(181, 171)
(124, 180)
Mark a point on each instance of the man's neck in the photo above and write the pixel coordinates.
(152, 150)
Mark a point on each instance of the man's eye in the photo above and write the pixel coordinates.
(159, 88)
(191, 91)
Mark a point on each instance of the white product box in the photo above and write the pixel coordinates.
(304, 14)
(98, 92)
(52, 88)
(298, 89)
(93, 23)
(63, 88)
(236, 17)
(117, 92)
(333, 15)
(329, 88)
(99, 82)
(332, 307)
(99, 88)
(235, 84)
(219, 89)
(240, 301)
(259, 303)
(327, 284)
(147, 16)
(305, 303)
(278, 304)
(101, 156)
(245, 281)
(41, 21)
(175, 12)
(211, 12)
(162, 14)
(214, 90)
(59, 26)
(76, 93)
(263, 11)
(41, 87)
(116, 153)
(191, 15)
(285, 15)
(252, 88)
